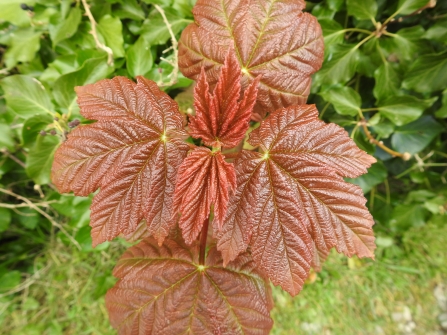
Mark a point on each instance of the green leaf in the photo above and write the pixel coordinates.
(437, 32)
(111, 30)
(139, 58)
(405, 43)
(410, 6)
(442, 112)
(130, 9)
(33, 126)
(332, 31)
(26, 96)
(416, 136)
(5, 219)
(155, 31)
(404, 109)
(6, 137)
(362, 10)
(92, 70)
(376, 175)
(11, 12)
(406, 216)
(384, 129)
(346, 101)
(9, 280)
(24, 45)
(335, 5)
(428, 73)
(387, 82)
(67, 27)
(40, 159)
(340, 66)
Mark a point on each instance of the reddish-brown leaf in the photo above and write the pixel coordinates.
(132, 153)
(293, 193)
(163, 290)
(221, 119)
(204, 180)
(271, 38)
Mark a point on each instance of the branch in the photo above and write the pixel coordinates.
(174, 47)
(46, 215)
(95, 34)
(405, 156)
(38, 204)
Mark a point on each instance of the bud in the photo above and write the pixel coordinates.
(53, 132)
(42, 133)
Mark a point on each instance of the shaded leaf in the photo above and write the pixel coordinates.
(404, 109)
(139, 58)
(416, 136)
(293, 193)
(333, 32)
(273, 39)
(406, 7)
(204, 180)
(442, 112)
(40, 158)
(221, 119)
(132, 154)
(111, 30)
(5, 219)
(346, 101)
(376, 175)
(33, 126)
(428, 73)
(67, 26)
(26, 96)
(163, 290)
(24, 45)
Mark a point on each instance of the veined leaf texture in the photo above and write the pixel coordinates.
(272, 39)
(275, 211)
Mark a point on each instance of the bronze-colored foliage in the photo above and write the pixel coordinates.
(293, 193)
(221, 119)
(131, 153)
(163, 290)
(204, 180)
(272, 39)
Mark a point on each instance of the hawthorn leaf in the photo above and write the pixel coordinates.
(204, 180)
(163, 290)
(272, 39)
(132, 153)
(221, 119)
(294, 193)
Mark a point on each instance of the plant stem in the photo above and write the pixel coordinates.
(405, 156)
(203, 237)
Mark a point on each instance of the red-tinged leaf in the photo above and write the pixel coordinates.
(293, 193)
(132, 153)
(273, 39)
(204, 179)
(221, 120)
(163, 290)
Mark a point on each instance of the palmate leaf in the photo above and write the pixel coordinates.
(293, 195)
(204, 179)
(221, 119)
(132, 153)
(163, 290)
(272, 39)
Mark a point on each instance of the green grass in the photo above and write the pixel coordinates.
(347, 297)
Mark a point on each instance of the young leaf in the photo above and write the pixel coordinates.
(163, 290)
(273, 39)
(293, 191)
(204, 179)
(221, 119)
(132, 154)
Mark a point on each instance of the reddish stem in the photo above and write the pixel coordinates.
(203, 236)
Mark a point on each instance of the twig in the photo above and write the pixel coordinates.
(95, 34)
(38, 204)
(49, 218)
(14, 158)
(405, 156)
(174, 47)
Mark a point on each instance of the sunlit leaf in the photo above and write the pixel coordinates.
(346, 101)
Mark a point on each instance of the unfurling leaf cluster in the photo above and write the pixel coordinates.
(217, 222)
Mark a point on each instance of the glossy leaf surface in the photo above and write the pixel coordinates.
(132, 153)
(163, 290)
(204, 180)
(221, 119)
(294, 193)
(272, 39)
